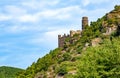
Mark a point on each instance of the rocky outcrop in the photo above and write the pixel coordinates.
(110, 29)
(39, 75)
(112, 21)
(73, 72)
(96, 42)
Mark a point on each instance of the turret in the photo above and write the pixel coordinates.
(71, 33)
(84, 22)
(59, 40)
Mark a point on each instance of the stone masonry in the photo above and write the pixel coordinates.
(84, 22)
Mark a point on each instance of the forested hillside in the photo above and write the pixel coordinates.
(9, 72)
(96, 54)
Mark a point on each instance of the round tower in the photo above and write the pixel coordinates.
(59, 40)
(84, 22)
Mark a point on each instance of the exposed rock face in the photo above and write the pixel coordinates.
(113, 14)
(58, 76)
(72, 72)
(110, 29)
(96, 41)
(113, 20)
(39, 75)
(86, 45)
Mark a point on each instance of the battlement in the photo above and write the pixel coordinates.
(62, 38)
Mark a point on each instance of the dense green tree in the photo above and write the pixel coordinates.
(101, 62)
(62, 70)
(9, 72)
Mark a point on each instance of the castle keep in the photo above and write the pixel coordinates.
(62, 38)
(84, 22)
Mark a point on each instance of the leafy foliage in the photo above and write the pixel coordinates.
(101, 62)
(62, 70)
(9, 72)
(117, 7)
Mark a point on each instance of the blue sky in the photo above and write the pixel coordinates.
(29, 28)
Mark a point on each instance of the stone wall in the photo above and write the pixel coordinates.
(72, 32)
(62, 38)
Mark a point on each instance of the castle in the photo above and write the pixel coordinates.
(62, 38)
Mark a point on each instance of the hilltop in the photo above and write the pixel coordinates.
(94, 53)
(9, 72)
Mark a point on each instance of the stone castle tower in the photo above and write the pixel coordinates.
(84, 22)
(62, 38)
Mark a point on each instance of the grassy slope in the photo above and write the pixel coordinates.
(101, 61)
(9, 72)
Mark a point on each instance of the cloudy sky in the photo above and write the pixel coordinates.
(29, 28)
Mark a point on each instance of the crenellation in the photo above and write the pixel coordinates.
(61, 39)
(59, 36)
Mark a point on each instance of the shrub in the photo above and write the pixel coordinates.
(62, 70)
(66, 56)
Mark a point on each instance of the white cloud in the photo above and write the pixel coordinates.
(28, 18)
(98, 2)
(61, 12)
(4, 17)
(41, 4)
(92, 14)
(24, 14)
(19, 15)
(21, 29)
(14, 10)
(87, 2)
(15, 29)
